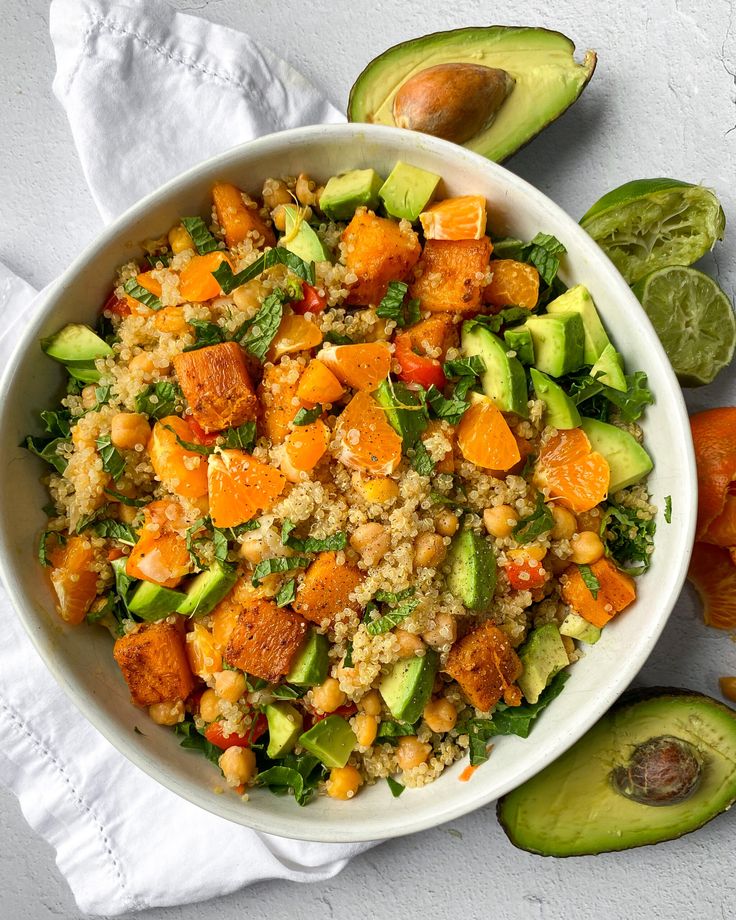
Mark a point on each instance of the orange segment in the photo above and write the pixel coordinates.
(714, 438)
(361, 367)
(182, 471)
(713, 573)
(570, 470)
(278, 396)
(295, 333)
(240, 486)
(319, 385)
(73, 578)
(484, 437)
(306, 445)
(462, 218)
(161, 554)
(367, 441)
(514, 284)
(722, 530)
(202, 653)
(196, 281)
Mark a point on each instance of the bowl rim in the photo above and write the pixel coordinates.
(343, 831)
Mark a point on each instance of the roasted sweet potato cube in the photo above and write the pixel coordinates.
(616, 590)
(485, 665)
(264, 639)
(377, 250)
(279, 400)
(433, 336)
(326, 588)
(154, 663)
(217, 385)
(237, 220)
(451, 275)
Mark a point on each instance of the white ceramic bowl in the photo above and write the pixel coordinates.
(81, 658)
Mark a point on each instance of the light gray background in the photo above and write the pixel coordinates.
(661, 103)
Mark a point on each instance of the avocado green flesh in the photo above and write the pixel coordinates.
(472, 575)
(305, 243)
(407, 191)
(609, 369)
(207, 589)
(331, 740)
(578, 300)
(284, 725)
(504, 380)
(520, 341)
(626, 458)
(577, 627)
(153, 602)
(541, 656)
(76, 344)
(571, 808)
(559, 410)
(403, 411)
(547, 79)
(559, 343)
(309, 667)
(407, 687)
(83, 374)
(344, 194)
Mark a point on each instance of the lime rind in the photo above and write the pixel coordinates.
(649, 224)
(694, 320)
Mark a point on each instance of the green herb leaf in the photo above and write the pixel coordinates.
(159, 399)
(262, 329)
(287, 692)
(668, 509)
(347, 661)
(298, 774)
(243, 438)
(123, 581)
(102, 398)
(201, 236)
(473, 366)
(535, 524)
(389, 730)
(334, 543)
(124, 500)
(57, 424)
(219, 539)
(593, 397)
(496, 321)
(278, 564)
(421, 462)
(450, 410)
(87, 519)
(543, 253)
(337, 338)
(395, 786)
(112, 460)
(193, 741)
(392, 306)
(205, 334)
(307, 416)
(163, 256)
(287, 593)
(394, 597)
(204, 449)
(48, 450)
(389, 620)
(43, 554)
(116, 530)
(139, 293)
(590, 580)
(628, 539)
(276, 256)
(197, 533)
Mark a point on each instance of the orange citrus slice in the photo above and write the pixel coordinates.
(485, 439)
(570, 470)
(361, 367)
(240, 486)
(366, 440)
(713, 573)
(714, 439)
(462, 218)
(514, 284)
(73, 578)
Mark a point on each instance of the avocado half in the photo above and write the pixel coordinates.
(546, 79)
(573, 808)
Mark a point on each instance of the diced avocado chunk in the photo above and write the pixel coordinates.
(284, 724)
(83, 374)
(309, 667)
(207, 589)
(577, 627)
(609, 369)
(519, 339)
(407, 687)
(76, 344)
(503, 380)
(472, 575)
(542, 656)
(578, 300)
(559, 410)
(154, 602)
(558, 343)
(344, 194)
(331, 740)
(403, 410)
(627, 459)
(302, 241)
(407, 191)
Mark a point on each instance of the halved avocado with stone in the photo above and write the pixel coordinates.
(491, 88)
(658, 765)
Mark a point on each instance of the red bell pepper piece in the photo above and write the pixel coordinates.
(417, 368)
(312, 302)
(214, 734)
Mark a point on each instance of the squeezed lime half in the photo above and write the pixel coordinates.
(694, 320)
(647, 224)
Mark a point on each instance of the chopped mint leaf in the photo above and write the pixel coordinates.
(48, 450)
(191, 446)
(628, 539)
(535, 524)
(307, 416)
(421, 462)
(395, 786)
(393, 307)
(125, 500)
(389, 620)
(112, 460)
(43, 552)
(139, 293)
(203, 240)
(262, 329)
(450, 410)
(287, 593)
(278, 255)
(278, 564)
(333, 543)
(243, 437)
(159, 399)
(668, 509)
(590, 580)
(116, 530)
(205, 334)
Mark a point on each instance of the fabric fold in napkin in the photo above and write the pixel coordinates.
(149, 92)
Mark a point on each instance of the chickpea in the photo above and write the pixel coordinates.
(440, 715)
(141, 364)
(248, 297)
(305, 190)
(168, 713)
(528, 552)
(127, 513)
(275, 192)
(446, 523)
(179, 239)
(129, 429)
(589, 520)
(410, 752)
(429, 550)
(328, 696)
(89, 396)
(409, 643)
(565, 523)
(365, 728)
(500, 521)
(278, 216)
(587, 547)
(238, 765)
(230, 685)
(209, 706)
(444, 631)
(253, 548)
(728, 687)
(344, 782)
(371, 703)
(372, 541)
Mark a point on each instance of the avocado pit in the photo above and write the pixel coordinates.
(662, 771)
(452, 101)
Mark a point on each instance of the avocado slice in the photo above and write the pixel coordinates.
(546, 80)
(331, 740)
(559, 341)
(519, 339)
(153, 602)
(302, 240)
(559, 410)
(76, 345)
(407, 687)
(284, 724)
(403, 411)
(472, 570)
(578, 300)
(83, 374)
(344, 194)
(407, 191)
(609, 369)
(543, 655)
(207, 589)
(577, 627)
(627, 459)
(504, 380)
(572, 808)
(309, 667)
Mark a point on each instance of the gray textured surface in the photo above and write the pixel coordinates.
(662, 103)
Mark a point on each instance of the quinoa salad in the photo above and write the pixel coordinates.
(350, 480)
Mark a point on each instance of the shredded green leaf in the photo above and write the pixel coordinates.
(668, 509)
(337, 338)
(421, 462)
(276, 256)
(496, 321)
(590, 580)
(392, 305)
(116, 530)
(395, 786)
(125, 500)
(628, 539)
(48, 450)
(389, 620)
(262, 329)
(113, 461)
(347, 661)
(287, 593)
(394, 597)
(389, 730)
(205, 334)
(298, 774)
(450, 410)
(192, 740)
(159, 399)
(278, 564)
(139, 293)
(204, 449)
(243, 437)
(334, 543)
(535, 524)
(307, 416)
(43, 553)
(203, 240)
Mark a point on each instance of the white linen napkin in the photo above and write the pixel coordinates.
(149, 92)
